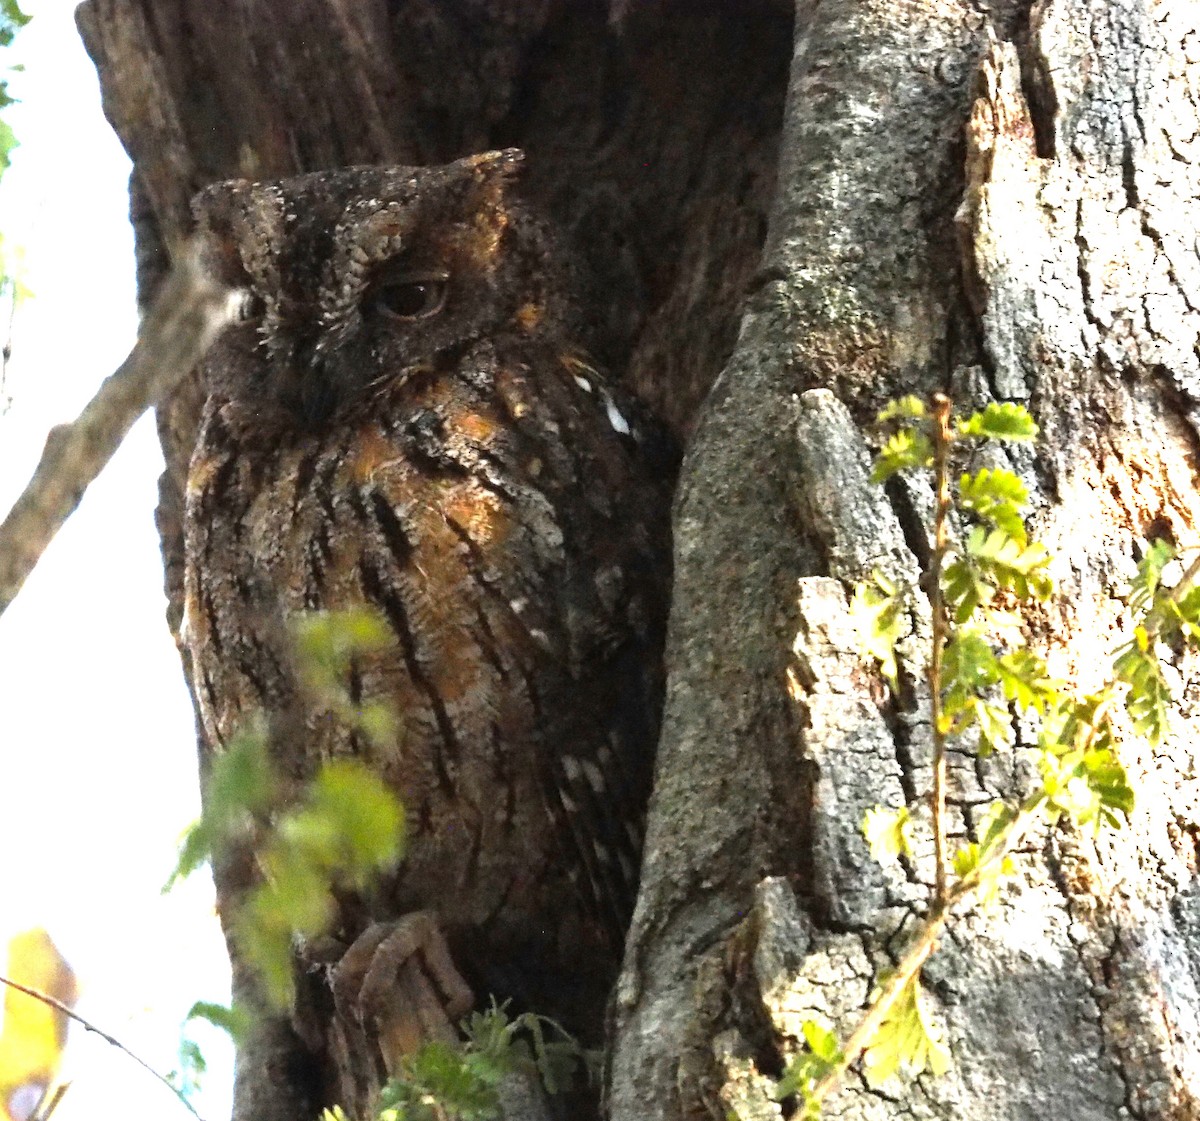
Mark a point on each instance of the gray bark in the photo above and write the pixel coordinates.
(1049, 258)
(1078, 996)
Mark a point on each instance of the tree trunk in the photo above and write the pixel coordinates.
(832, 222)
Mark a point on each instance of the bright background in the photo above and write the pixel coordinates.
(97, 757)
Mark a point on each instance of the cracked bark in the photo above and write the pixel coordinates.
(1078, 997)
(1050, 259)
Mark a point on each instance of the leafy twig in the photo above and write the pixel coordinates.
(941, 545)
(924, 943)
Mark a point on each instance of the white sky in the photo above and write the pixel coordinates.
(97, 760)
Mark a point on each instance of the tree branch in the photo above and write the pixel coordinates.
(58, 1006)
(187, 315)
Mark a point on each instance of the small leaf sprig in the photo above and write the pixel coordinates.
(343, 830)
(440, 1082)
(982, 676)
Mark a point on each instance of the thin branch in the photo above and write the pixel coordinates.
(58, 1006)
(188, 314)
(941, 543)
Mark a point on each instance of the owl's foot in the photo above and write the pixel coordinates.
(399, 982)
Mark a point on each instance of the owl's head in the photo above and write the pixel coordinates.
(358, 278)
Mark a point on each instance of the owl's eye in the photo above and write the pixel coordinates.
(411, 297)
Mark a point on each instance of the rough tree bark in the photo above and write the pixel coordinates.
(996, 198)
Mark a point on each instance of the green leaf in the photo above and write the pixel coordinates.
(1010, 563)
(242, 780)
(902, 451)
(235, 1021)
(8, 141)
(996, 496)
(11, 14)
(969, 860)
(907, 1042)
(888, 833)
(1088, 784)
(978, 859)
(328, 643)
(1149, 574)
(966, 860)
(969, 663)
(995, 727)
(240, 786)
(440, 1082)
(1188, 608)
(1001, 421)
(441, 1075)
(964, 589)
(1148, 700)
(380, 724)
(361, 811)
(1107, 777)
(1026, 681)
(876, 610)
(822, 1042)
(194, 850)
(969, 669)
(902, 408)
(809, 1067)
(295, 897)
(189, 1070)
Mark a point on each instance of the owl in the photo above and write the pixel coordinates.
(406, 419)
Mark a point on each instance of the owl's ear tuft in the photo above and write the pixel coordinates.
(218, 205)
(219, 212)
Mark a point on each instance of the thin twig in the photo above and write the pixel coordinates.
(50, 1101)
(941, 544)
(924, 943)
(58, 1006)
(929, 932)
(188, 314)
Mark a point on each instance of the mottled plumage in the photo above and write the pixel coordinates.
(406, 419)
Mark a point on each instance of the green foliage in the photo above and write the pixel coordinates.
(329, 645)
(189, 1071)
(985, 863)
(809, 1067)
(231, 1020)
(904, 450)
(342, 830)
(346, 829)
(445, 1083)
(983, 675)
(877, 611)
(889, 833)
(903, 408)
(995, 496)
(907, 1042)
(1001, 421)
(240, 787)
(12, 19)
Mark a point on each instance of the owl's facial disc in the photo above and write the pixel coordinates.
(358, 278)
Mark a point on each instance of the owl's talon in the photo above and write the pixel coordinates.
(399, 979)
